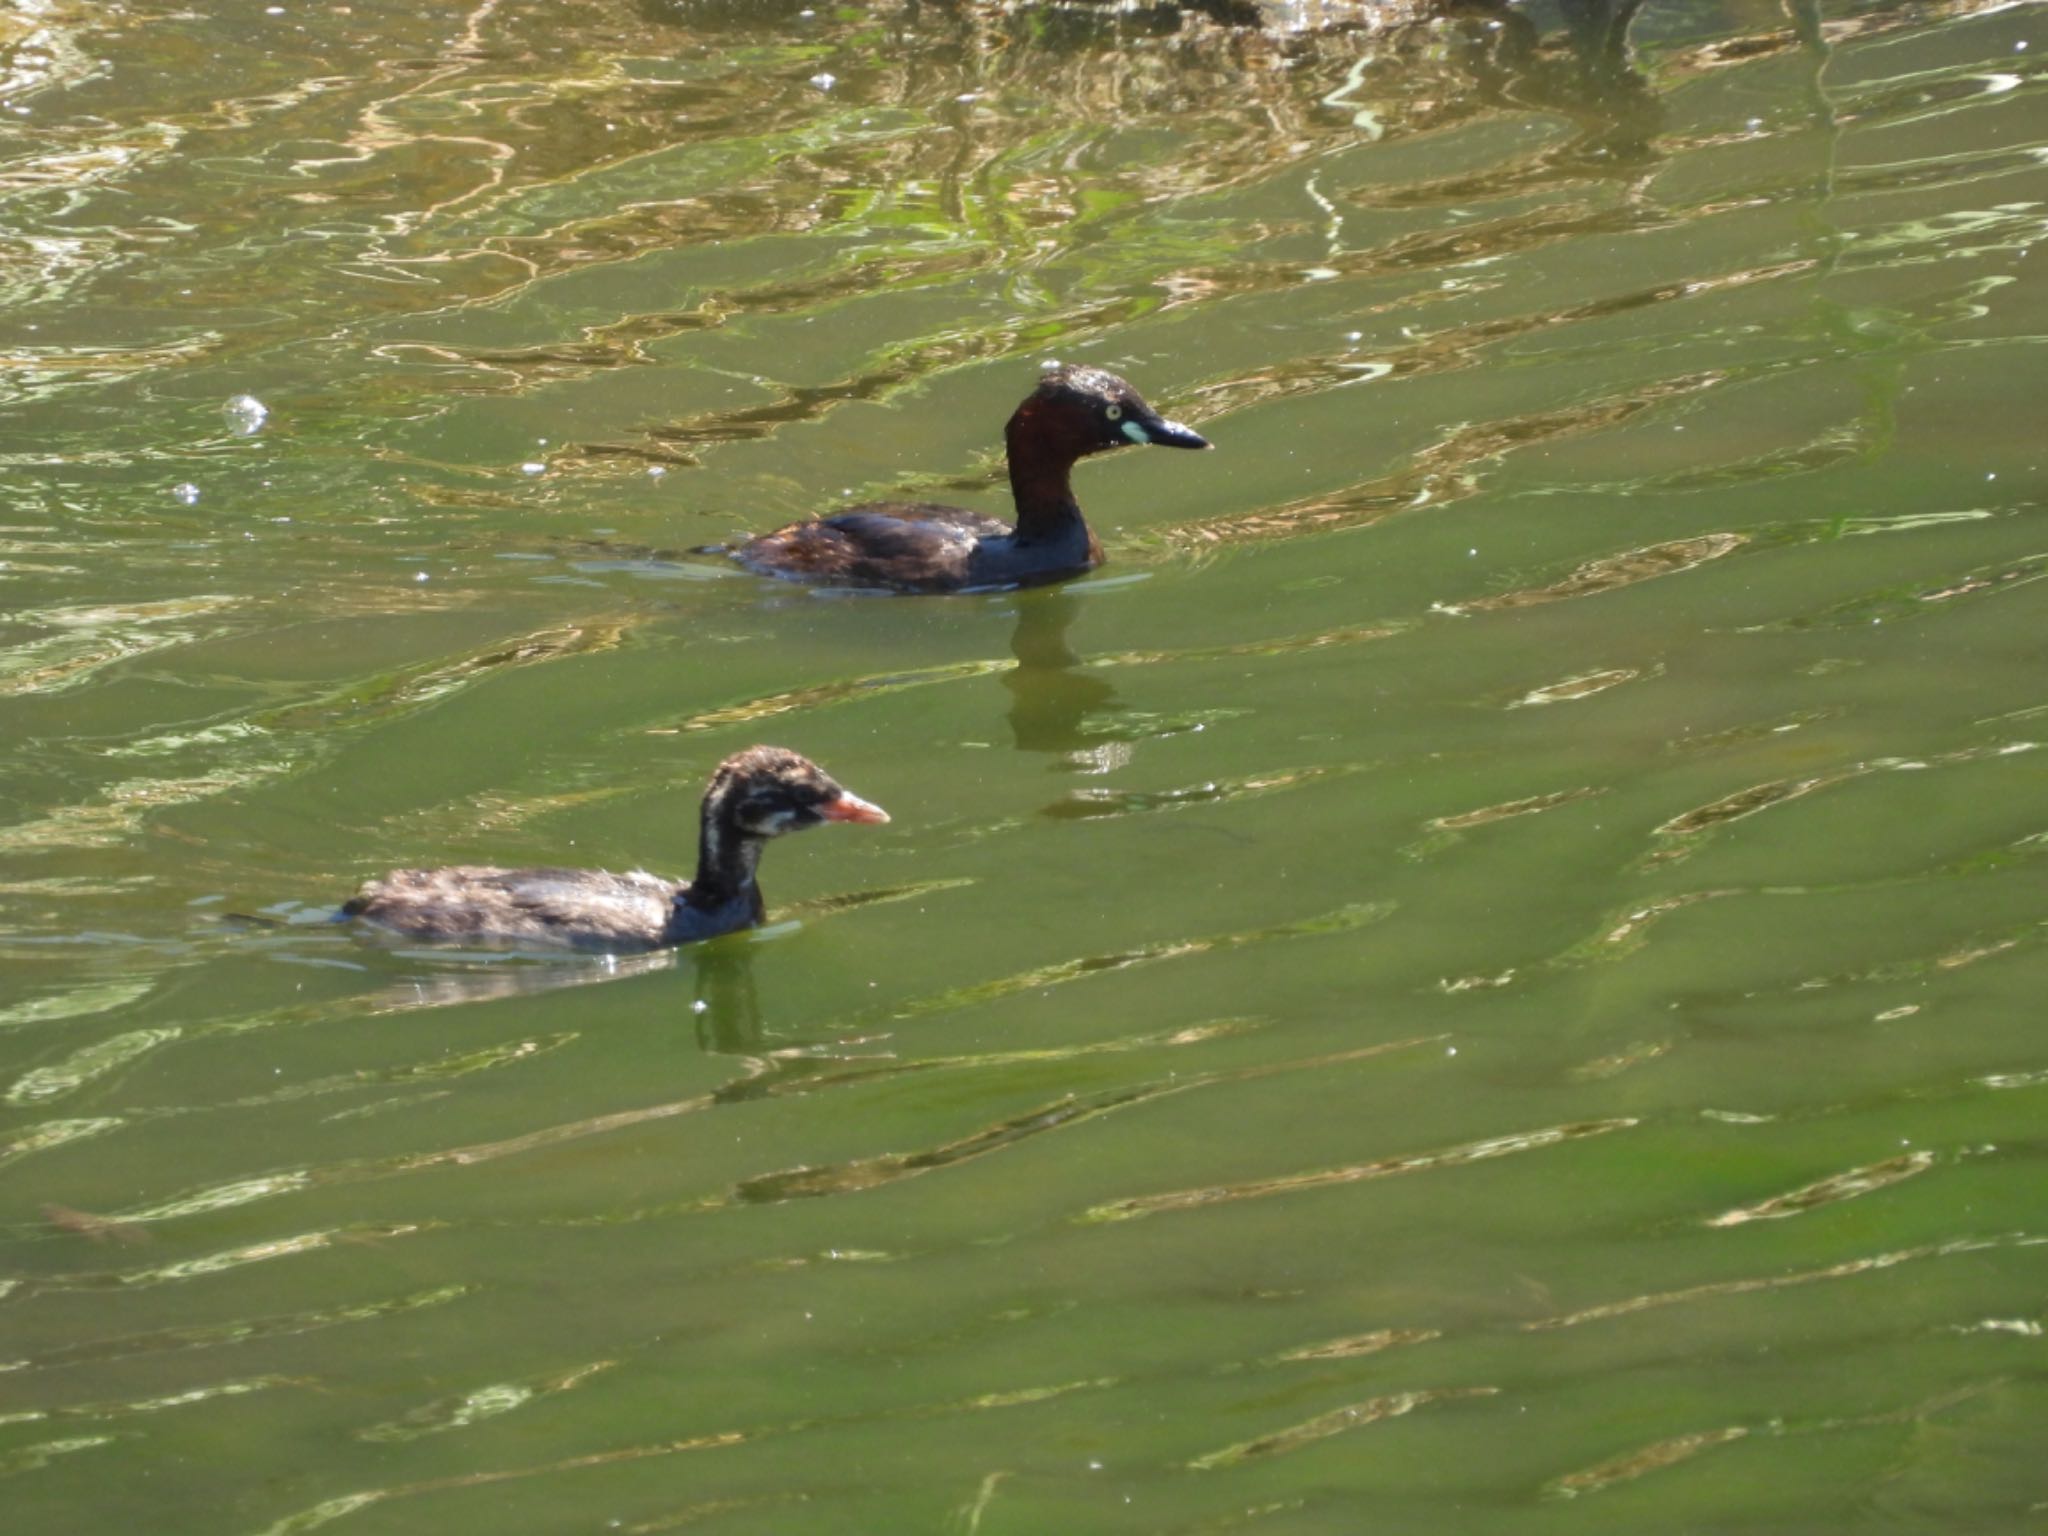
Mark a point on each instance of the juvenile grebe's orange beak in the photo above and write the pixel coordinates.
(850, 807)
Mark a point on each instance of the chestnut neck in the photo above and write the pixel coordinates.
(1042, 450)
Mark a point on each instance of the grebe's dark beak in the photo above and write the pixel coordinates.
(1161, 433)
(850, 807)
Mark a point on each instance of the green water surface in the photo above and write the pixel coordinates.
(1485, 974)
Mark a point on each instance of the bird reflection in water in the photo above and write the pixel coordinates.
(725, 1006)
(1055, 700)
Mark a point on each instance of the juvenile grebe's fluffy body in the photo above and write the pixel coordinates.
(921, 547)
(754, 795)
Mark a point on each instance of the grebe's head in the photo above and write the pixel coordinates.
(766, 791)
(1081, 410)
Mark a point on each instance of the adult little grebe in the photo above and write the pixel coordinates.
(918, 547)
(754, 795)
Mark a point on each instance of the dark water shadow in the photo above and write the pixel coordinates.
(1590, 81)
(1586, 73)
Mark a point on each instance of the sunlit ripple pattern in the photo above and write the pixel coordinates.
(1526, 869)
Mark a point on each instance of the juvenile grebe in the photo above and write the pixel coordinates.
(920, 547)
(754, 795)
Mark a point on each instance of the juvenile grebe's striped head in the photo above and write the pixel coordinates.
(764, 792)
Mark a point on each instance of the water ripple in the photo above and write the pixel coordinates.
(1582, 685)
(239, 1331)
(33, 1458)
(1837, 1187)
(1373, 1410)
(43, 1136)
(240, 1387)
(86, 641)
(204, 1265)
(1635, 1464)
(1342, 919)
(1845, 1270)
(1095, 803)
(1611, 572)
(1356, 1345)
(1380, 1168)
(479, 1405)
(86, 1066)
(872, 1173)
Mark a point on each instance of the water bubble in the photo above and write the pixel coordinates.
(656, 471)
(533, 467)
(186, 492)
(824, 82)
(245, 415)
